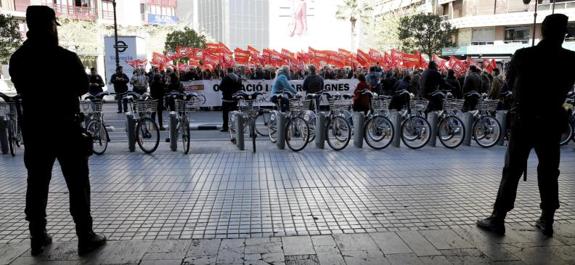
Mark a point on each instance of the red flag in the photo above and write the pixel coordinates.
(363, 58)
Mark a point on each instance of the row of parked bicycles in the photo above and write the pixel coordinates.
(379, 131)
(142, 109)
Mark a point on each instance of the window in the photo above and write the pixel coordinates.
(517, 34)
(570, 32)
(82, 3)
(483, 36)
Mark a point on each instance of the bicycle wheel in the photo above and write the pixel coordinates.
(415, 132)
(567, 135)
(147, 135)
(338, 133)
(297, 132)
(451, 132)
(262, 121)
(99, 136)
(378, 132)
(310, 118)
(185, 127)
(273, 127)
(486, 131)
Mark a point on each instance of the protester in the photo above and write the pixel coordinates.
(313, 84)
(471, 87)
(120, 82)
(230, 85)
(452, 81)
(139, 82)
(282, 87)
(496, 85)
(157, 92)
(96, 82)
(360, 101)
(431, 81)
(61, 136)
(538, 120)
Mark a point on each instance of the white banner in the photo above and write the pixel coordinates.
(211, 88)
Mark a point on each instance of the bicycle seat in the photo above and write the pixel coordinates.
(247, 96)
(346, 96)
(313, 95)
(368, 93)
(402, 92)
(473, 94)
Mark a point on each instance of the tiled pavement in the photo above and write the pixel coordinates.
(219, 205)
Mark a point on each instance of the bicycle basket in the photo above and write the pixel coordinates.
(339, 104)
(146, 106)
(7, 108)
(298, 104)
(418, 104)
(453, 104)
(488, 105)
(248, 106)
(88, 106)
(380, 104)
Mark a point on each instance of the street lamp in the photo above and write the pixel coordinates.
(534, 18)
(116, 35)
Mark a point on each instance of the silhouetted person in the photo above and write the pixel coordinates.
(454, 83)
(313, 84)
(431, 81)
(96, 82)
(230, 84)
(157, 91)
(120, 81)
(51, 127)
(540, 77)
(471, 88)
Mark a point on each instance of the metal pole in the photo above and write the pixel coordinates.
(116, 36)
(534, 24)
(553, 7)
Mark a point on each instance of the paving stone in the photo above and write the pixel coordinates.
(364, 257)
(301, 260)
(262, 246)
(31, 260)
(167, 250)
(543, 255)
(330, 258)
(465, 256)
(118, 252)
(203, 251)
(232, 251)
(434, 260)
(390, 243)
(487, 243)
(297, 245)
(9, 252)
(417, 243)
(445, 239)
(161, 262)
(58, 251)
(355, 242)
(404, 259)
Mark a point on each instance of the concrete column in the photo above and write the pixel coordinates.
(396, 120)
(358, 129)
(432, 118)
(173, 125)
(131, 129)
(467, 119)
(501, 117)
(281, 123)
(320, 130)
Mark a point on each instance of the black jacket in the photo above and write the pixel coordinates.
(313, 84)
(96, 84)
(431, 80)
(230, 84)
(120, 82)
(50, 96)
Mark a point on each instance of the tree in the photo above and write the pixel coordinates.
(425, 32)
(184, 38)
(10, 38)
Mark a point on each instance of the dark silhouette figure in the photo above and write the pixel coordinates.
(120, 82)
(230, 84)
(540, 77)
(51, 127)
(431, 81)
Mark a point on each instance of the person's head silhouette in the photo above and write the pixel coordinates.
(42, 24)
(554, 28)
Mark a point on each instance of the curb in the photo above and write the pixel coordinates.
(205, 127)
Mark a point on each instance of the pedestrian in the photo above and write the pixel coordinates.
(471, 87)
(496, 85)
(454, 83)
(157, 92)
(361, 101)
(282, 87)
(230, 85)
(120, 82)
(431, 81)
(96, 82)
(313, 84)
(537, 122)
(139, 82)
(56, 88)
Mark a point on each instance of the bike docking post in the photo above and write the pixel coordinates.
(173, 131)
(467, 119)
(358, 129)
(320, 130)
(239, 131)
(395, 118)
(501, 117)
(281, 121)
(3, 136)
(432, 118)
(131, 129)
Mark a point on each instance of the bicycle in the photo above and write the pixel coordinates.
(248, 110)
(415, 129)
(183, 103)
(450, 129)
(378, 129)
(91, 106)
(486, 130)
(11, 108)
(296, 128)
(569, 133)
(147, 133)
(338, 126)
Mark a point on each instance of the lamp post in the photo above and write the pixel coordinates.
(116, 35)
(534, 24)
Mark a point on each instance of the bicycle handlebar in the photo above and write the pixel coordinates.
(7, 98)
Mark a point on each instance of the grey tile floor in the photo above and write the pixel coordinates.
(219, 194)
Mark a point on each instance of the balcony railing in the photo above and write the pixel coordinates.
(74, 12)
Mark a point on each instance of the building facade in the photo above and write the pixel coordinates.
(497, 28)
